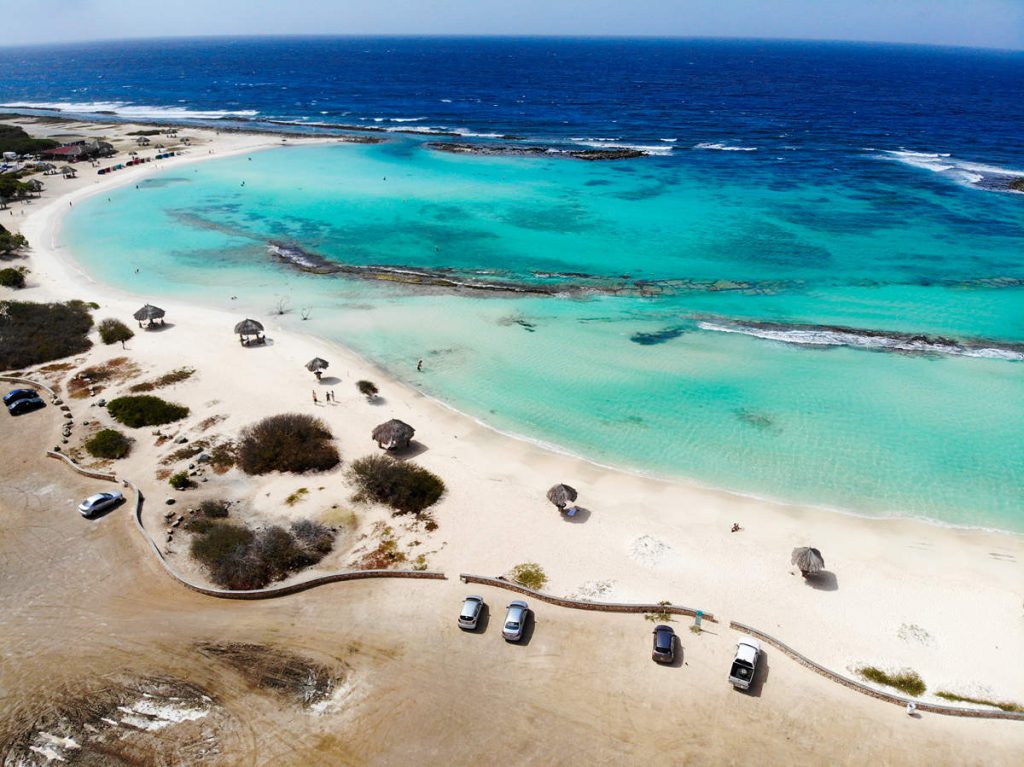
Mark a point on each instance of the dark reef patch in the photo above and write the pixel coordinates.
(658, 336)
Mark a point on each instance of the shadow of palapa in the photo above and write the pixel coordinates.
(824, 581)
(581, 516)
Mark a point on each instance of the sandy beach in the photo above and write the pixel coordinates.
(898, 593)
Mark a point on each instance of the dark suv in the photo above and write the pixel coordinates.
(25, 405)
(16, 394)
(664, 644)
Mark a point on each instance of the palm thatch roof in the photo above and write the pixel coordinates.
(150, 313)
(808, 560)
(393, 434)
(560, 495)
(316, 364)
(248, 327)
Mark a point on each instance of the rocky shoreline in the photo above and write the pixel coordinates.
(531, 150)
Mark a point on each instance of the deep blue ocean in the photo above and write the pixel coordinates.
(837, 261)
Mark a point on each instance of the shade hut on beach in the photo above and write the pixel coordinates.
(250, 332)
(148, 314)
(393, 435)
(316, 366)
(560, 495)
(808, 560)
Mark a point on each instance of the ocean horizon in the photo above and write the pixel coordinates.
(808, 294)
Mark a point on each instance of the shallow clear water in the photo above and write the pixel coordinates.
(634, 380)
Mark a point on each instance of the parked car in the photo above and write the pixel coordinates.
(472, 607)
(25, 405)
(16, 394)
(744, 665)
(99, 502)
(664, 644)
(515, 621)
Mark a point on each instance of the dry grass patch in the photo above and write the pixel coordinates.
(167, 379)
(98, 377)
(906, 680)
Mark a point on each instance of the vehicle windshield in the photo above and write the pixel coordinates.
(512, 625)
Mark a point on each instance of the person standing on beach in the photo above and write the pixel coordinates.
(315, 400)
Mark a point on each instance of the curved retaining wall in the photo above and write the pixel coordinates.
(30, 382)
(934, 708)
(85, 472)
(578, 604)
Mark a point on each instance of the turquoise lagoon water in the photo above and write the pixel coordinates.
(625, 379)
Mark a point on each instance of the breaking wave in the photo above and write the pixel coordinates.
(127, 109)
(874, 340)
(964, 172)
(719, 147)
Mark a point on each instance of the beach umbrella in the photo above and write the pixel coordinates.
(316, 366)
(808, 560)
(393, 434)
(560, 495)
(148, 313)
(248, 327)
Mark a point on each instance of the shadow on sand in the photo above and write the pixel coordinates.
(760, 677)
(581, 516)
(824, 581)
(414, 449)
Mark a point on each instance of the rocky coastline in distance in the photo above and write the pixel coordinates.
(532, 150)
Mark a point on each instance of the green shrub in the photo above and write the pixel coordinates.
(1002, 705)
(109, 443)
(145, 410)
(529, 574)
(289, 442)
(404, 487)
(12, 278)
(367, 388)
(112, 331)
(13, 138)
(34, 333)
(906, 681)
(214, 509)
(180, 481)
(10, 243)
(238, 558)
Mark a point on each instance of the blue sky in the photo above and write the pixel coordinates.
(981, 23)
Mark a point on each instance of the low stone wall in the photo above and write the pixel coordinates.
(83, 471)
(579, 604)
(934, 708)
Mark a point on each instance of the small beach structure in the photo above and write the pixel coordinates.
(317, 366)
(68, 172)
(561, 495)
(808, 560)
(250, 332)
(393, 435)
(149, 314)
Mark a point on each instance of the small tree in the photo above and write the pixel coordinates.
(180, 481)
(145, 410)
(109, 443)
(112, 331)
(367, 388)
(404, 487)
(13, 277)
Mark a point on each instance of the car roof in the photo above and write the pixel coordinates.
(518, 603)
(663, 627)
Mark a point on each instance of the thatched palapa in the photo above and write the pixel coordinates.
(316, 366)
(148, 314)
(250, 332)
(393, 435)
(560, 495)
(808, 560)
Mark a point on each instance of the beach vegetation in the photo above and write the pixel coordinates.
(297, 496)
(145, 410)
(215, 509)
(13, 189)
(906, 681)
(529, 574)
(386, 554)
(112, 331)
(405, 487)
(13, 138)
(1001, 705)
(32, 333)
(13, 277)
(180, 481)
(145, 132)
(367, 388)
(660, 616)
(108, 443)
(11, 244)
(167, 379)
(289, 442)
(239, 558)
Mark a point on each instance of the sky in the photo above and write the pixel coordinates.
(975, 23)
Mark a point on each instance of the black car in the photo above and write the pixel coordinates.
(664, 644)
(16, 394)
(25, 405)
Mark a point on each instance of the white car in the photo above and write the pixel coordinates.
(744, 665)
(470, 615)
(99, 502)
(515, 621)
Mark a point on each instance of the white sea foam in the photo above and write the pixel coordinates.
(613, 144)
(398, 119)
(720, 147)
(964, 172)
(669, 140)
(126, 109)
(841, 337)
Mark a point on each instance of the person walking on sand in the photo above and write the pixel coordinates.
(333, 398)
(315, 400)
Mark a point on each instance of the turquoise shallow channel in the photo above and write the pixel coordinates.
(733, 240)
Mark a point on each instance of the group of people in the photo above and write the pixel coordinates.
(328, 397)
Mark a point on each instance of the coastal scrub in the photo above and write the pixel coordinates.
(112, 331)
(906, 681)
(31, 333)
(108, 443)
(289, 442)
(145, 410)
(529, 574)
(405, 487)
(13, 277)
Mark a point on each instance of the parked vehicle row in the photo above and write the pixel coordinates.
(20, 401)
(664, 649)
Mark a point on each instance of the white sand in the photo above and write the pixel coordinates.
(643, 540)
